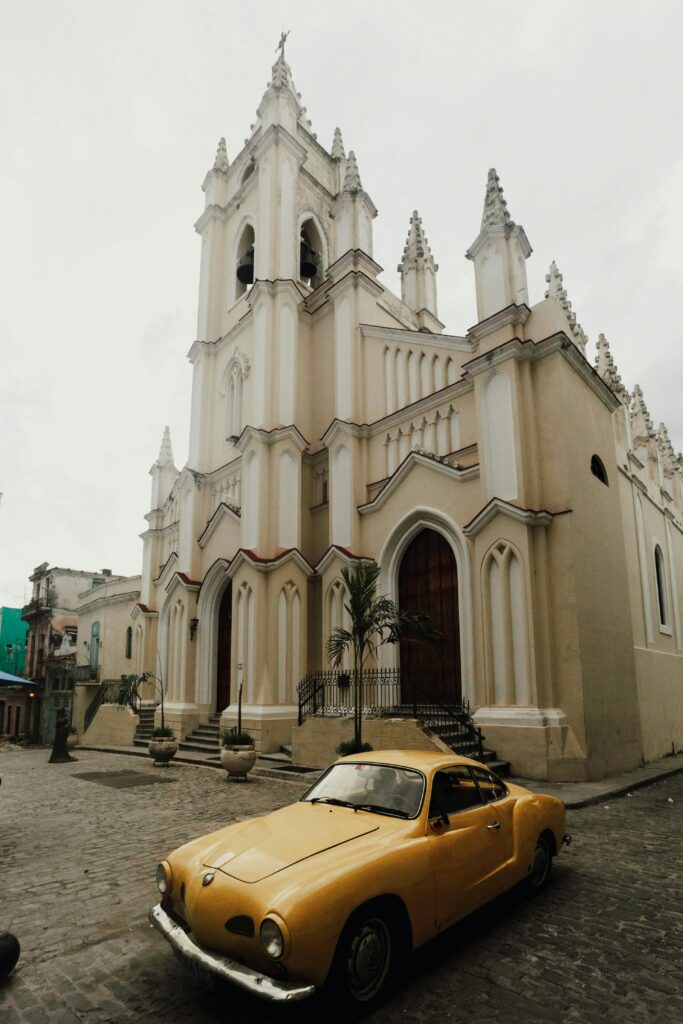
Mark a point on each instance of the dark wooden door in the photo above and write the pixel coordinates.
(428, 583)
(224, 650)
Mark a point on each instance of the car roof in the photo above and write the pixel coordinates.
(423, 760)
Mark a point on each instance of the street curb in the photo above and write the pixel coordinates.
(620, 791)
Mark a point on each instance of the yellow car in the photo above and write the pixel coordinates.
(382, 853)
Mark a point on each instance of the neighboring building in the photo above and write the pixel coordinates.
(105, 638)
(507, 487)
(52, 619)
(13, 632)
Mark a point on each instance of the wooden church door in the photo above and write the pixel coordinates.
(428, 583)
(224, 650)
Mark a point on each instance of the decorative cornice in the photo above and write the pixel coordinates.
(166, 570)
(410, 336)
(222, 512)
(415, 459)
(280, 284)
(354, 278)
(246, 557)
(277, 134)
(107, 599)
(510, 315)
(338, 426)
(144, 611)
(353, 259)
(209, 214)
(496, 506)
(334, 551)
(181, 579)
(270, 437)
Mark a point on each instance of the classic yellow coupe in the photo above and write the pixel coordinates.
(383, 852)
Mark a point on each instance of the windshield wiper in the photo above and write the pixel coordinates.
(380, 809)
(331, 800)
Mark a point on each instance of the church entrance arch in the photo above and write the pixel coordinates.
(428, 583)
(224, 649)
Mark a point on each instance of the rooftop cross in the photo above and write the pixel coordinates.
(281, 45)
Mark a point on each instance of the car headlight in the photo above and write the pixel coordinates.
(164, 878)
(272, 938)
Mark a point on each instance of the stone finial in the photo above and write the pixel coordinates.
(352, 183)
(166, 452)
(495, 213)
(558, 292)
(606, 368)
(641, 421)
(417, 246)
(338, 146)
(221, 162)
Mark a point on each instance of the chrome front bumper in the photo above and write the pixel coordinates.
(253, 981)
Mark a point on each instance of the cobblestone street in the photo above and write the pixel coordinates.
(77, 858)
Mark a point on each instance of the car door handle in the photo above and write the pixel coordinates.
(496, 824)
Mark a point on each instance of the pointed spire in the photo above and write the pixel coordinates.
(337, 146)
(606, 368)
(417, 246)
(221, 162)
(558, 292)
(495, 213)
(352, 182)
(166, 452)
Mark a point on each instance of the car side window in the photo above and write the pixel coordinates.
(490, 787)
(453, 790)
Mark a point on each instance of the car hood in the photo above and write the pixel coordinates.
(262, 847)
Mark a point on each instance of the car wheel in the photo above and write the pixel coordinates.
(367, 961)
(541, 864)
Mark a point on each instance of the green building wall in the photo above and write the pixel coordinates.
(13, 632)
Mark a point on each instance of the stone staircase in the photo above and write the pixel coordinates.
(469, 748)
(143, 733)
(206, 739)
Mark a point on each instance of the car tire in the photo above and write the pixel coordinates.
(541, 865)
(368, 960)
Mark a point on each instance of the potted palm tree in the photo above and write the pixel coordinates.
(238, 753)
(163, 745)
(375, 620)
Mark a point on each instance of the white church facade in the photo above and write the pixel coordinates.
(507, 486)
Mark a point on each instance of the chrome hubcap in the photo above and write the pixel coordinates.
(369, 959)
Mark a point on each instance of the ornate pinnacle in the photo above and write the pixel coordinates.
(166, 452)
(417, 246)
(352, 183)
(557, 291)
(606, 368)
(640, 418)
(666, 450)
(221, 162)
(495, 213)
(337, 146)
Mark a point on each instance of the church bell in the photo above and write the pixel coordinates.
(245, 267)
(308, 268)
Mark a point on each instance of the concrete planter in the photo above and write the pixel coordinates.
(162, 750)
(238, 761)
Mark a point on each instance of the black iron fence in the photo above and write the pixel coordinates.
(386, 693)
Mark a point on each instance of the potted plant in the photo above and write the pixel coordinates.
(238, 754)
(163, 744)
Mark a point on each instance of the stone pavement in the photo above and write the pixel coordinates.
(603, 944)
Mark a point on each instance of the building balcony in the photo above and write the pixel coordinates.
(33, 610)
(87, 674)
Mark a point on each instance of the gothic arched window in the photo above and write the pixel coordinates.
(598, 470)
(312, 253)
(245, 258)
(232, 386)
(129, 642)
(660, 575)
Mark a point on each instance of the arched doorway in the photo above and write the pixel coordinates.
(224, 650)
(428, 583)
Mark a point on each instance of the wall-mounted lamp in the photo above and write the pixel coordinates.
(193, 628)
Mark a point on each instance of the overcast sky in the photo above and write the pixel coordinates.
(110, 115)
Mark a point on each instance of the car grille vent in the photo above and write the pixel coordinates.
(240, 926)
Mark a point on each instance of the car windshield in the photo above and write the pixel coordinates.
(381, 788)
